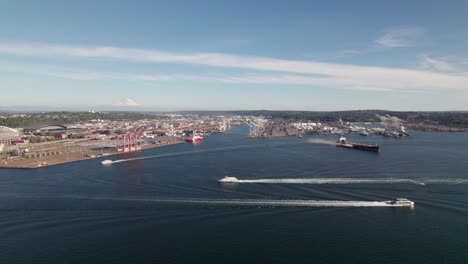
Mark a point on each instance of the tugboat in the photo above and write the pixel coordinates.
(344, 144)
(228, 179)
(400, 202)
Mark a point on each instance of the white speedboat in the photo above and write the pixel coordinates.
(401, 202)
(106, 162)
(228, 179)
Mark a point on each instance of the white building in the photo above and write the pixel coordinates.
(8, 135)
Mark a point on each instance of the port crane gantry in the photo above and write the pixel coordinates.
(130, 141)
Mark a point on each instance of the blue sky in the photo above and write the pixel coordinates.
(298, 55)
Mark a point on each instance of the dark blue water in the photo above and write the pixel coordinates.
(171, 209)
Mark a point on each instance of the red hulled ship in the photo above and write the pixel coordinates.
(344, 144)
(194, 139)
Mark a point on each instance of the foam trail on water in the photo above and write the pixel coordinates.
(287, 203)
(320, 141)
(446, 181)
(204, 151)
(157, 156)
(422, 181)
(201, 201)
(180, 153)
(332, 181)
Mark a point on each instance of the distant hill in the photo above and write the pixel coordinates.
(446, 118)
(451, 119)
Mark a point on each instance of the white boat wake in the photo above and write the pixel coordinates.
(355, 181)
(445, 181)
(192, 152)
(285, 203)
(331, 181)
(207, 201)
(321, 141)
(156, 156)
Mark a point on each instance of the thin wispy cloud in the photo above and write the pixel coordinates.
(430, 63)
(395, 38)
(352, 52)
(53, 71)
(402, 37)
(372, 89)
(234, 41)
(348, 53)
(311, 73)
(79, 76)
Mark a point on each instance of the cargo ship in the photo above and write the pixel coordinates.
(194, 139)
(344, 144)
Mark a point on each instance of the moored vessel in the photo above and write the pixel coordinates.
(194, 139)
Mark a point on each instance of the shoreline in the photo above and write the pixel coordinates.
(43, 162)
(435, 128)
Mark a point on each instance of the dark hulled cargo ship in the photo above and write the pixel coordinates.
(367, 147)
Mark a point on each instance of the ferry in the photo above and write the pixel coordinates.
(106, 162)
(228, 179)
(194, 139)
(400, 202)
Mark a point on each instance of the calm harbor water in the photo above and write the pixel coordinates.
(165, 205)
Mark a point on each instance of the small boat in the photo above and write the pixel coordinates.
(400, 202)
(106, 162)
(228, 179)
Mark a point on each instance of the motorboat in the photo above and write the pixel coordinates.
(106, 162)
(400, 202)
(227, 179)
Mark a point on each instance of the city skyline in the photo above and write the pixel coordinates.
(235, 56)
